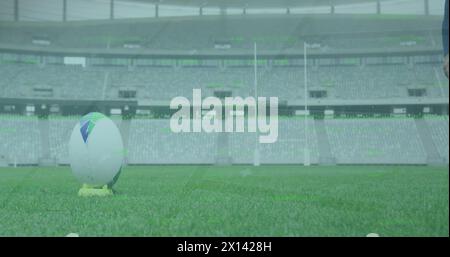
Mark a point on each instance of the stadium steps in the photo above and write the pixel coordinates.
(325, 155)
(433, 157)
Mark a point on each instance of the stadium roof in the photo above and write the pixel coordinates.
(253, 3)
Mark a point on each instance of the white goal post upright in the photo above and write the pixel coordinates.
(256, 157)
(306, 159)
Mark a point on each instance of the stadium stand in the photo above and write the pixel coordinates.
(152, 142)
(164, 83)
(439, 133)
(289, 148)
(20, 139)
(65, 81)
(375, 141)
(374, 59)
(274, 32)
(392, 140)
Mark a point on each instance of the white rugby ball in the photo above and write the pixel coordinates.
(96, 150)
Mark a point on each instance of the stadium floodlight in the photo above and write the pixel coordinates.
(96, 154)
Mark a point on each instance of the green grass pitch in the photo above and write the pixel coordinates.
(230, 201)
